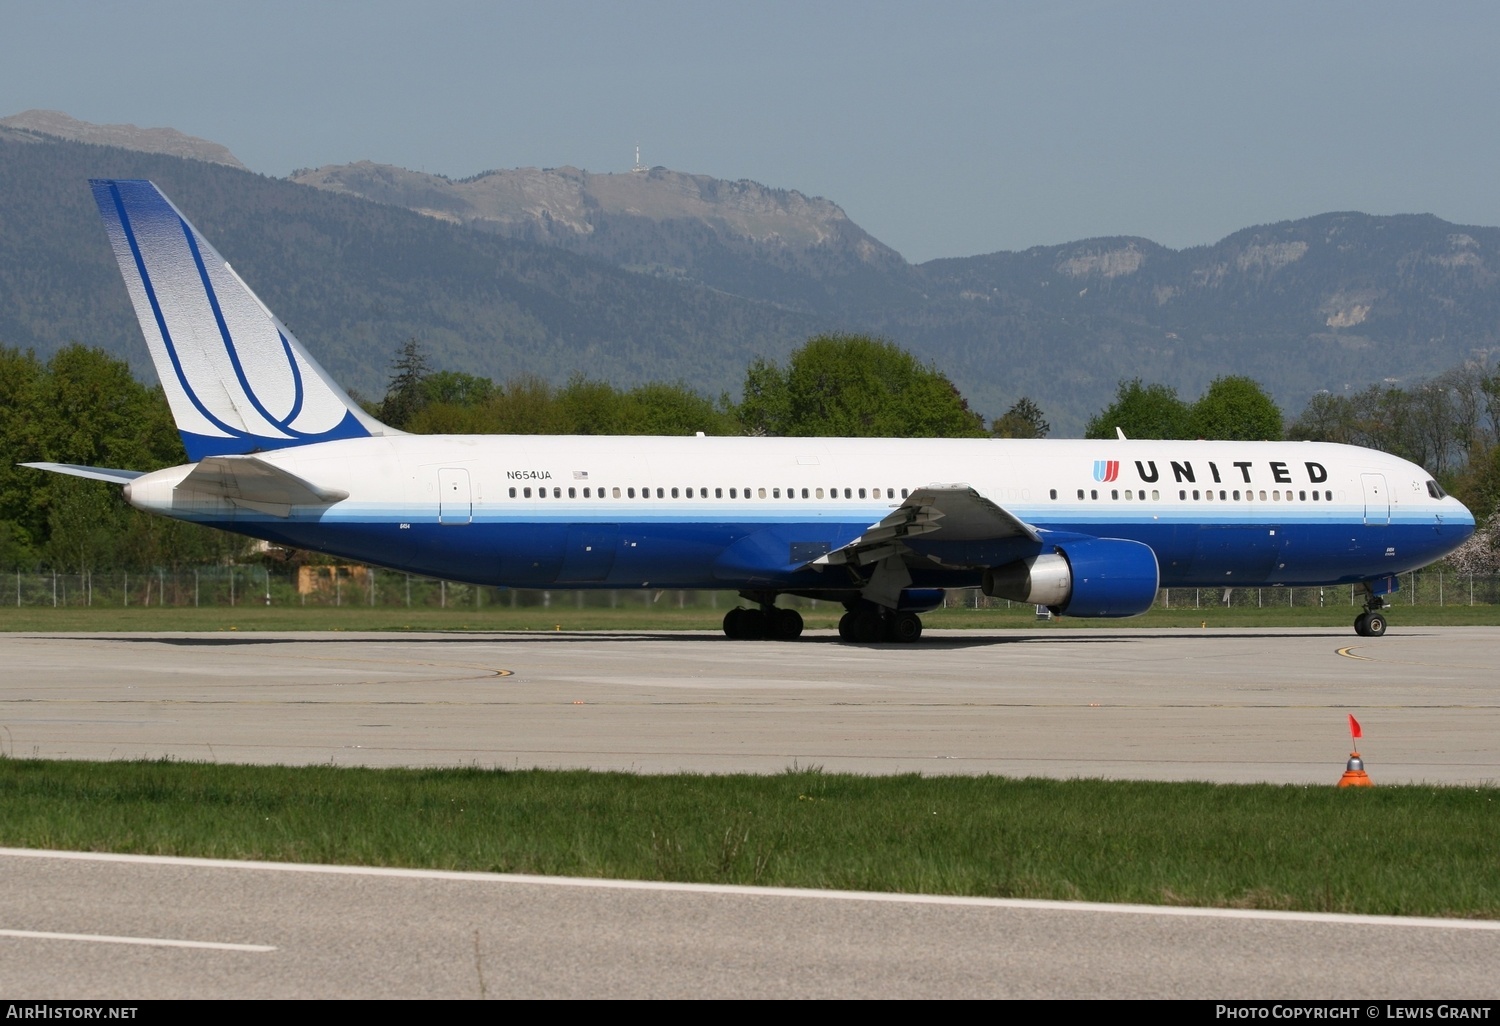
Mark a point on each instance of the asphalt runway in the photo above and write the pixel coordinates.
(1217, 705)
(82, 925)
(1160, 704)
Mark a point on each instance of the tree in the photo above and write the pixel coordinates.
(1235, 408)
(1142, 411)
(405, 396)
(854, 386)
(662, 409)
(1023, 420)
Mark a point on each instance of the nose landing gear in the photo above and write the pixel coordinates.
(1371, 623)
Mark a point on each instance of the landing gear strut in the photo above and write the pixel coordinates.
(866, 625)
(1371, 623)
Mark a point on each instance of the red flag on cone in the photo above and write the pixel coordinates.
(1354, 772)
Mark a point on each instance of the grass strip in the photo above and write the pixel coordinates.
(659, 618)
(1412, 850)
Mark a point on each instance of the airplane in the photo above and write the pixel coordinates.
(882, 525)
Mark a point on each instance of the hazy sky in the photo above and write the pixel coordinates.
(944, 129)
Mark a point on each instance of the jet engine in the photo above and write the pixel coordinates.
(1087, 577)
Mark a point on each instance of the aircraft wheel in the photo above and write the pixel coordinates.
(1374, 625)
(1360, 627)
(788, 624)
(869, 627)
(846, 627)
(906, 627)
(744, 624)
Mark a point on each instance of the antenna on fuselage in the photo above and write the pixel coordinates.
(1121, 432)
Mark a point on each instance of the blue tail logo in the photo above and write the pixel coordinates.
(236, 378)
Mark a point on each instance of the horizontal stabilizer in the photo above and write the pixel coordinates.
(92, 473)
(256, 484)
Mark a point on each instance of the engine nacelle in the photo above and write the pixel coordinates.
(1039, 580)
(1104, 577)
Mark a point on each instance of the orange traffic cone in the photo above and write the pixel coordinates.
(1354, 773)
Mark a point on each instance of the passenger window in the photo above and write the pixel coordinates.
(689, 493)
(1128, 493)
(1263, 495)
(1328, 496)
(1053, 493)
(1080, 493)
(761, 492)
(1155, 495)
(674, 493)
(1114, 493)
(861, 493)
(512, 493)
(719, 493)
(818, 493)
(906, 495)
(1301, 496)
(1236, 495)
(527, 492)
(1093, 493)
(1315, 497)
(572, 493)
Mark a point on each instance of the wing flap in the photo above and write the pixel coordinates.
(957, 510)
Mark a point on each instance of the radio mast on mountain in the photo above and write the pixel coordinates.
(638, 165)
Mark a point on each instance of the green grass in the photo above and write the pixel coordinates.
(1388, 850)
(664, 616)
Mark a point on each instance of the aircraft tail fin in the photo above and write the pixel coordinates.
(237, 379)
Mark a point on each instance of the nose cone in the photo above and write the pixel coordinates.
(1462, 521)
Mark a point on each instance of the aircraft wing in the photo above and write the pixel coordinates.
(92, 473)
(256, 484)
(957, 510)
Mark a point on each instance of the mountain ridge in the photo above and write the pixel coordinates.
(663, 274)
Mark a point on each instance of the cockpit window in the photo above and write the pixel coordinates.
(1436, 490)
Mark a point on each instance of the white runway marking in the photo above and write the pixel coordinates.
(765, 892)
(150, 942)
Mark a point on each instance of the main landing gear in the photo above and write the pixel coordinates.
(767, 622)
(866, 625)
(1371, 623)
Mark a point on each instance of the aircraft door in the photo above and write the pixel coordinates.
(1377, 500)
(455, 500)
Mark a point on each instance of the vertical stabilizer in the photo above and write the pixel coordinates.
(237, 380)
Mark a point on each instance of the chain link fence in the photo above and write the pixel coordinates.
(356, 585)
